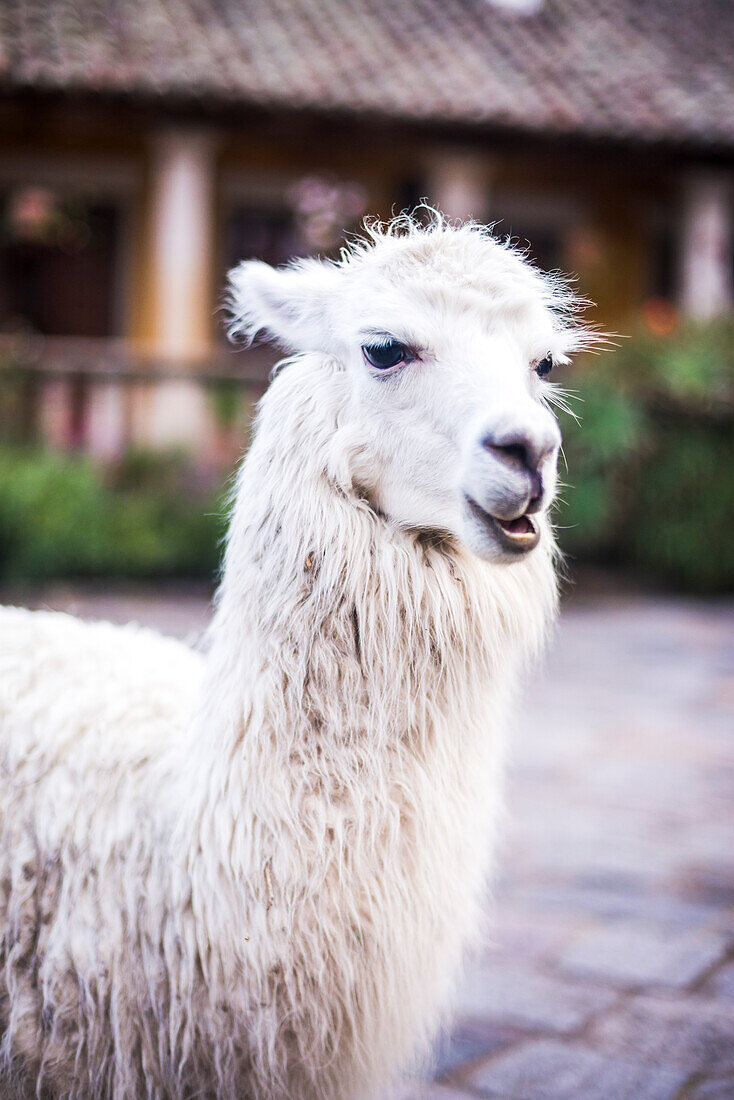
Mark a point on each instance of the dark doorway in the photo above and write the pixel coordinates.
(58, 265)
(58, 278)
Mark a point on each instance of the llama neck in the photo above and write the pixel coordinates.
(357, 679)
(332, 624)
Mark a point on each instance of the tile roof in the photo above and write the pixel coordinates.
(630, 69)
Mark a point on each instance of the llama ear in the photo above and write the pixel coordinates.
(291, 305)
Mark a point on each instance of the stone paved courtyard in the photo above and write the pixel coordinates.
(610, 975)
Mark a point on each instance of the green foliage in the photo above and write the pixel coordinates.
(694, 367)
(650, 473)
(651, 464)
(604, 441)
(227, 403)
(682, 522)
(63, 516)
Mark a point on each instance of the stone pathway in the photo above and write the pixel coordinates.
(610, 975)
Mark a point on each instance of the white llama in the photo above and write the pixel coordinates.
(254, 874)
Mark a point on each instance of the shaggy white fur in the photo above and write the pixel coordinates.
(254, 874)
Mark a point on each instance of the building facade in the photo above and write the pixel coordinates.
(138, 163)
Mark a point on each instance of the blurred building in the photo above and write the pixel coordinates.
(147, 145)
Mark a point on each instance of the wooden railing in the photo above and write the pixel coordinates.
(107, 395)
(125, 359)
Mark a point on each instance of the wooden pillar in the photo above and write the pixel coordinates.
(706, 246)
(458, 183)
(179, 249)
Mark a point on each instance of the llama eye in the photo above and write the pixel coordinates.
(384, 356)
(544, 367)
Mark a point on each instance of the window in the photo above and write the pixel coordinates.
(58, 261)
(265, 234)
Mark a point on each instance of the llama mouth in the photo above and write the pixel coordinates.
(519, 535)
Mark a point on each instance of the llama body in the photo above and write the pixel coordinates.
(254, 874)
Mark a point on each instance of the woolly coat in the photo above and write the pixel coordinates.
(253, 874)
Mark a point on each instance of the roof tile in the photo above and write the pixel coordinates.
(648, 69)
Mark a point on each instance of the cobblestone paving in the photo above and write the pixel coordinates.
(610, 975)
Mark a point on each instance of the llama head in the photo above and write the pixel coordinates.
(440, 340)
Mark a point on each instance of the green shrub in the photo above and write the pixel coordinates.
(651, 463)
(693, 367)
(682, 516)
(650, 481)
(61, 515)
(52, 516)
(598, 449)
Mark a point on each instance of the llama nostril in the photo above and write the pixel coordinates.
(516, 453)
